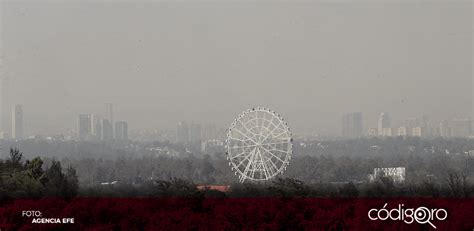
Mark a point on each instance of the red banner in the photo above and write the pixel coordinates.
(237, 214)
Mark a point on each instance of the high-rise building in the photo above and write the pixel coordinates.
(352, 125)
(209, 132)
(85, 126)
(419, 126)
(402, 131)
(182, 133)
(2, 98)
(195, 134)
(387, 132)
(107, 130)
(17, 122)
(418, 132)
(444, 129)
(109, 115)
(461, 127)
(195, 137)
(121, 130)
(96, 127)
(383, 123)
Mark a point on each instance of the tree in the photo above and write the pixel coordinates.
(176, 187)
(72, 181)
(55, 180)
(15, 156)
(349, 190)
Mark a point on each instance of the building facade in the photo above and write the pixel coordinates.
(17, 122)
(121, 130)
(352, 125)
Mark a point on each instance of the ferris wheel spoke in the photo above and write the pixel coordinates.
(250, 139)
(273, 136)
(238, 155)
(243, 161)
(246, 128)
(259, 141)
(261, 164)
(269, 152)
(274, 166)
(276, 126)
(268, 171)
(247, 168)
(275, 143)
(246, 142)
(271, 169)
(245, 146)
(278, 135)
(253, 125)
(278, 150)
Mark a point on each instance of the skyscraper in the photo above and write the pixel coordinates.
(85, 126)
(195, 137)
(2, 116)
(107, 130)
(17, 122)
(5, 107)
(352, 125)
(195, 134)
(109, 115)
(461, 127)
(444, 129)
(383, 123)
(96, 127)
(402, 131)
(182, 133)
(121, 130)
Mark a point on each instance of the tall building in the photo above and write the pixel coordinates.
(383, 123)
(209, 132)
(387, 132)
(17, 122)
(352, 125)
(5, 107)
(182, 133)
(444, 129)
(85, 126)
(2, 92)
(402, 131)
(107, 130)
(418, 132)
(195, 137)
(96, 127)
(461, 127)
(121, 130)
(109, 114)
(195, 134)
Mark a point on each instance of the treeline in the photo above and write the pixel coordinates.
(433, 167)
(313, 161)
(420, 167)
(456, 186)
(31, 179)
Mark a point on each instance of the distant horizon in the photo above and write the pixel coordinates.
(164, 62)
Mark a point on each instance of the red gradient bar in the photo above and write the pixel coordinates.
(228, 214)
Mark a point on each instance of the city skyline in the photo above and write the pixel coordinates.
(353, 125)
(310, 64)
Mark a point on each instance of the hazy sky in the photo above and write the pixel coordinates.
(162, 62)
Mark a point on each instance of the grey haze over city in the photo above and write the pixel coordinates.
(161, 62)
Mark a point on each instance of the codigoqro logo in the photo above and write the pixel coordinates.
(421, 215)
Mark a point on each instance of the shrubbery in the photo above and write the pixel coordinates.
(30, 179)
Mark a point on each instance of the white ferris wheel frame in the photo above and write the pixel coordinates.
(259, 148)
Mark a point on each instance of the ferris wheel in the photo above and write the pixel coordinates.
(259, 145)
